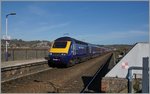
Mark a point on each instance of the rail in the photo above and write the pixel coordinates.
(84, 90)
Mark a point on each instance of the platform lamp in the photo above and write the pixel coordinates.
(6, 53)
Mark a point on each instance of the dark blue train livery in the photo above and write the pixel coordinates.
(69, 51)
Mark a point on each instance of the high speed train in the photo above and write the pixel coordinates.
(69, 51)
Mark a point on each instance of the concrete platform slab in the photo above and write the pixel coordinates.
(20, 62)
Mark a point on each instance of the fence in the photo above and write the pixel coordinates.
(145, 76)
(23, 54)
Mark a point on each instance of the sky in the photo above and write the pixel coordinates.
(96, 22)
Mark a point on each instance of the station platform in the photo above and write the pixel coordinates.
(21, 62)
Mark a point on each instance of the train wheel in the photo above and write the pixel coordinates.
(68, 65)
(50, 64)
(71, 62)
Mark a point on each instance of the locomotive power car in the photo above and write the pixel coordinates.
(69, 51)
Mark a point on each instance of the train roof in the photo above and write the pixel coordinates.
(70, 39)
(77, 41)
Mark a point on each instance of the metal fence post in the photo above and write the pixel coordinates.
(114, 55)
(130, 80)
(145, 76)
(36, 53)
(44, 52)
(13, 54)
(130, 76)
(26, 53)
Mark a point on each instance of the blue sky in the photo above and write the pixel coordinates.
(94, 22)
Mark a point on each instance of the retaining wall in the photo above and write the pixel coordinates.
(24, 54)
(114, 85)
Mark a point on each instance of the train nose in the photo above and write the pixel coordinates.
(60, 59)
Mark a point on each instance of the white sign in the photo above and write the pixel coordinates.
(6, 37)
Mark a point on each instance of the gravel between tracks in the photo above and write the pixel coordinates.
(72, 79)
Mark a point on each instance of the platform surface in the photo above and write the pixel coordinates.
(20, 62)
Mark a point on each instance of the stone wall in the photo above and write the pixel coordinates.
(114, 85)
(24, 54)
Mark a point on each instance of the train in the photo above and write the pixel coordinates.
(69, 51)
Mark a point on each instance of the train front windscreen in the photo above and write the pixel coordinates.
(59, 44)
(60, 47)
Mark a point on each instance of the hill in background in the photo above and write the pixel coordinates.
(19, 43)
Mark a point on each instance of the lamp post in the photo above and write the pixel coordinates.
(6, 53)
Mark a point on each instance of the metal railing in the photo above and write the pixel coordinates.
(145, 76)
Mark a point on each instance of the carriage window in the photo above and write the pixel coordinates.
(59, 44)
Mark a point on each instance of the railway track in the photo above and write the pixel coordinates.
(56, 79)
(94, 85)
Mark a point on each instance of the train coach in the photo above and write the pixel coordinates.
(69, 51)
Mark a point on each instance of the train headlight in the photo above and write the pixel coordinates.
(63, 54)
(50, 53)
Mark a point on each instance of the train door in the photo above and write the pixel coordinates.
(90, 49)
(74, 48)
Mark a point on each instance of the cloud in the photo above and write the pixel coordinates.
(126, 34)
(40, 29)
(112, 36)
(50, 27)
(36, 10)
(145, 26)
(58, 25)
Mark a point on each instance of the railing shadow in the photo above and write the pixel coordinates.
(95, 86)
